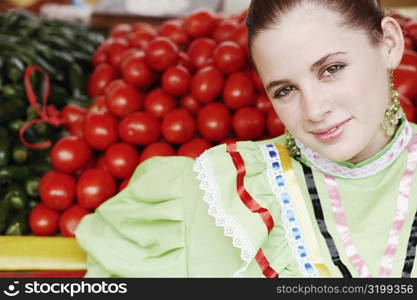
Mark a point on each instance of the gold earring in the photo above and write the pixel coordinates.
(394, 113)
(292, 147)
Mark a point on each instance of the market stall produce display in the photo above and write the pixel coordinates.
(63, 50)
(178, 88)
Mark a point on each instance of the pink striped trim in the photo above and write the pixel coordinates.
(400, 216)
(342, 228)
(401, 212)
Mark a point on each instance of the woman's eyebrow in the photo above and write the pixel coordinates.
(322, 60)
(318, 63)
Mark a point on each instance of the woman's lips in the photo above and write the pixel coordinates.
(331, 134)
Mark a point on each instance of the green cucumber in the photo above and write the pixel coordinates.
(16, 196)
(14, 172)
(4, 147)
(18, 224)
(5, 210)
(32, 186)
(20, 154)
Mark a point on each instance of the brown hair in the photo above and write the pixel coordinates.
(358, 14)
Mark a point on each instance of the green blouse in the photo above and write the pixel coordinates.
(180, 217)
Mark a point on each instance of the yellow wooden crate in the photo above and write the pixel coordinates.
(40, 253)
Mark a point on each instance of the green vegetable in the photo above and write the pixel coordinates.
(40, 167)
(4, 147)
(20, 154)
(15, 68)
(32, 186)
(14, 126)
(16, 196)
(14, 172)
(11, 109)
(5, 209)
(18, 224)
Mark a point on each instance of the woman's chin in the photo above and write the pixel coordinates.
(337, 153)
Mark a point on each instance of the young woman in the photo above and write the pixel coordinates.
(334, 197)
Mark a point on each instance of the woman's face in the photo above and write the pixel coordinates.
(328, 83)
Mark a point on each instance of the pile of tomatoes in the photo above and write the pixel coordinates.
(174, 89)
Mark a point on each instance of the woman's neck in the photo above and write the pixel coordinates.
(376, 144)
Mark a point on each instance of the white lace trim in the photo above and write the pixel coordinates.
(332, 168)
(293, 232)
(231, 227)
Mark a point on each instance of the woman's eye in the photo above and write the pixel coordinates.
(283, 92)
(332, 70)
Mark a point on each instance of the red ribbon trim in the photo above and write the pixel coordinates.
(242, 192)
(265, 265)
(251, 204)
(48, 114)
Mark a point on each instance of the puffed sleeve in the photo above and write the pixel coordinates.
(140, 232)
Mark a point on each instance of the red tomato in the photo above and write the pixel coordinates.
(144, 27)
(409, 58)
(190, 104)
(72, 114)
(207, 84)
(121, 159)
(131, 52)
(185, 61)
(157, 149)
(224, 30)
(123, 184)
(102, 75)
(408, 108)
(136, 71)
(176, 80)
(158, 103)
(120, 30)
(115, 48)
(249, 123)
(100, 55)
(70, 219)
(141, 39)
(178, 126)
(99, 106)
(57, 190)
(140, 128)
(405, 80)
(100, 131)
(194, 148)
(408, 43)
(263, 103)
(91, 164)
(201, 51)
(257, 81)
(274, 124)
(161, 53)
(123, 100)
(43, 221)
(113, 85)
(101, 163)
(174, 30)
(70, 154)
(94, 187)
(239, 91)
(199, 23)
(214, 122)
(229, 57)
(240, 36)
(411, 30)
(77, 129)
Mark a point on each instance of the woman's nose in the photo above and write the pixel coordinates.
(315, 105)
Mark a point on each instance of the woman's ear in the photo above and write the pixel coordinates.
(393, 42)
